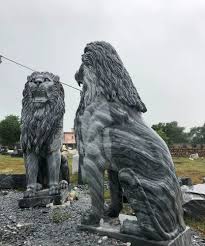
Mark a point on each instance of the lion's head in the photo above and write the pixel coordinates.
(102, 71)
(42, 111)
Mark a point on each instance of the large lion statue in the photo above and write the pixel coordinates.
(112, 136)
(42, 133)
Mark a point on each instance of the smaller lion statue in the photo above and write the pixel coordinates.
(112, 135)
(41, 139)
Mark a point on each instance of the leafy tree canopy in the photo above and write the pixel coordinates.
(172, 132)
(197, 135)
(163, 135)
(10, 130)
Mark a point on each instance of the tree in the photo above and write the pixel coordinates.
(10, 130)
(197, 135)
(163, 135)
(173, 132)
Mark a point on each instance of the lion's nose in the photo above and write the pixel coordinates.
(38, 82)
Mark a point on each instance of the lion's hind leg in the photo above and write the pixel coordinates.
(145, 224)
(153, 217)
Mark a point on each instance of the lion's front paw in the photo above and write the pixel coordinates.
(63, 184)
(54, 190)
(90, 219)
(30, 192)
(39, 187)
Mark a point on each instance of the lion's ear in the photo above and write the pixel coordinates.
(56, 78)
(28, 78)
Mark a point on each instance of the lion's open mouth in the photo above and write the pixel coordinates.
(39, 96)
(40, 100)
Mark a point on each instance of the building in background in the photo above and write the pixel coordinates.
(69, 139)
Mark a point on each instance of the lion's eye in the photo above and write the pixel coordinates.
(46, 79)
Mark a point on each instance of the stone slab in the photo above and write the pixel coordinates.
(194, 200)
(184, 239)
(198, 190)
(42, 199)
(12, 181)
(113, 231)
(195, 208)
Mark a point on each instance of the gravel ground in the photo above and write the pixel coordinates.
(50, 226)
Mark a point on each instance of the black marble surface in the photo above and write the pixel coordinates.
(112, 135)
(194, 200)
(43, 198)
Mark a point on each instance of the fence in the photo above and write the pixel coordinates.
(186, 152)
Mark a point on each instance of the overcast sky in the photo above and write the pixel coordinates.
(161, 42)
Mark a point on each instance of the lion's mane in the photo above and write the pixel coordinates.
(112, 77)
(38, 129)
(113, 81)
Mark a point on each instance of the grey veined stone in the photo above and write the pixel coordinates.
(42, 133)
(194, 200)
(112, 135)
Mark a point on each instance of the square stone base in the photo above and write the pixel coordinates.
(183, 239)
(42, 199)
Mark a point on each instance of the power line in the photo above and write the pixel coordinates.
(31, 69)
(70, 86)
(17, 63)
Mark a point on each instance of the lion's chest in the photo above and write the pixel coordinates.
(95, 119)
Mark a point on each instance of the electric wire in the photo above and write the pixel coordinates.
(31, 69)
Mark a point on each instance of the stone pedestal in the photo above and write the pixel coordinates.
(43, 198)
(113, 231)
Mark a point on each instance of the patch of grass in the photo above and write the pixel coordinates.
(15, 165)
(184, 167)
(196, 224)
(11, 165)
(58, 215)
(107, 195)
(194, 169)
(73, 177)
